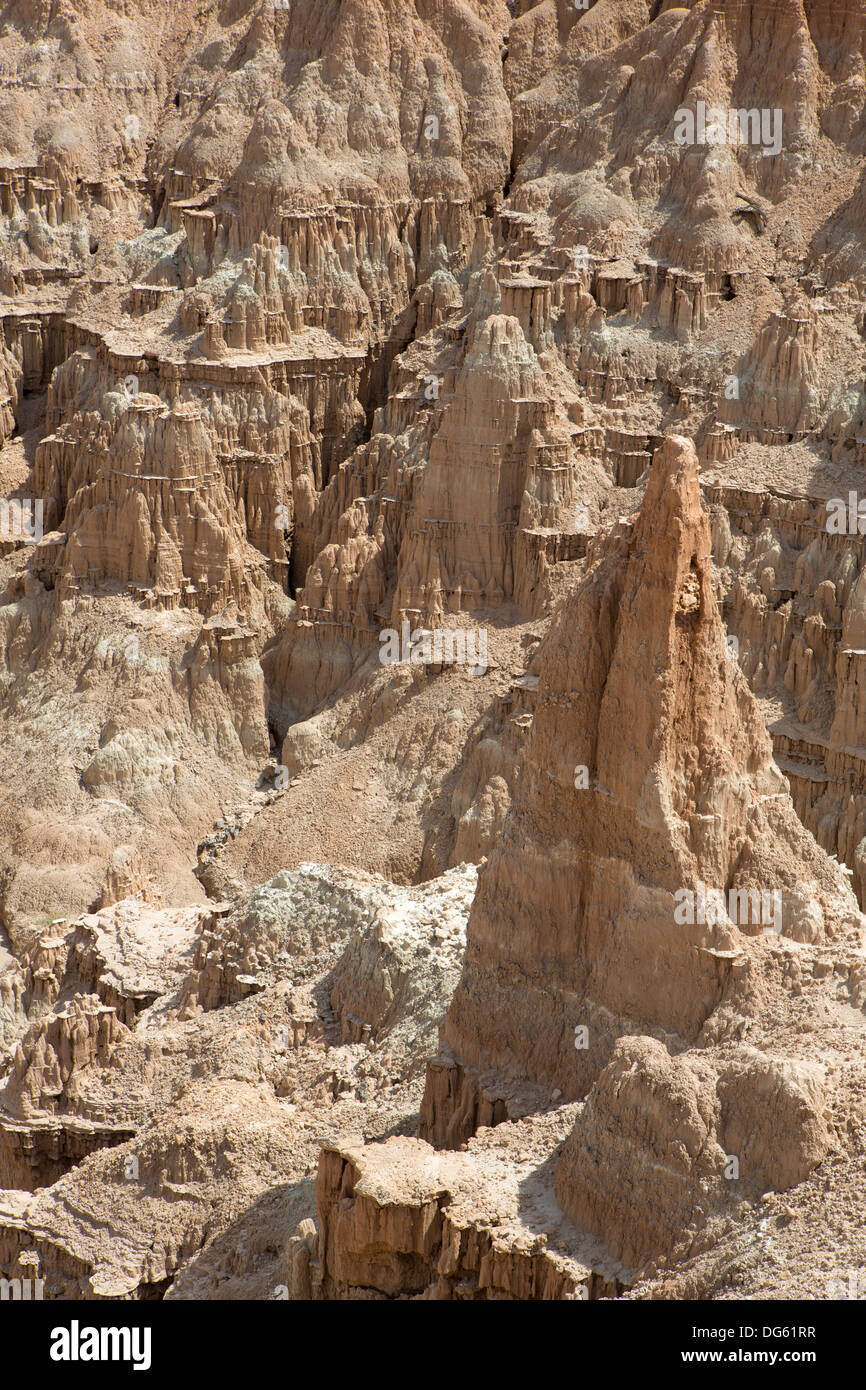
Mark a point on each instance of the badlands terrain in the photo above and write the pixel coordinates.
(432, 603)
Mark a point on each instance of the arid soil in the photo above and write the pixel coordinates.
(432, 603)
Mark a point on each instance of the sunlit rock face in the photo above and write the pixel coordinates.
(432, 616)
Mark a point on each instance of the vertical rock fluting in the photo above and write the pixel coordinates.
(9, 384)
(501, 430)
(779, 380)
(576, 922)
(158, 515)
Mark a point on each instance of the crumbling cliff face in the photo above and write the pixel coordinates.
(295, 284)
(684, 1135)
(310, 1002)
(396, 1220)
(637, 984)
(330, 332)
(648, 776)
(210, 278)
(505, 486)
(166, 537)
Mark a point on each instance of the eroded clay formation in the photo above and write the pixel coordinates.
(431, 619)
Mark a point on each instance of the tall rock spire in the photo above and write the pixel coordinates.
(630, 903)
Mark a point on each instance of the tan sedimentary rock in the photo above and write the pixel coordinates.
(576, 922)
(45, 965)
(273, 425)
(244, 948)
(651, 1118)
(793, 601)
(684, 1136)
(293, 223)
(151, 1201)
(9, 379)
(502, 459)
(259, 310)
(43, 1129)
(13, 1018)
(397, 973)
(130, 953)
(507, 486)
(65, 1042)
(777, 385)
(175, 536)
(167, 1147)
(402, 950)
(125, 877)
(398, 1220)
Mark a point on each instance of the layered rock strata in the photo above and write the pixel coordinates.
(652, 844)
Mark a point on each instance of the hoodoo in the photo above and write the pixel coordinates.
(581, 931)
